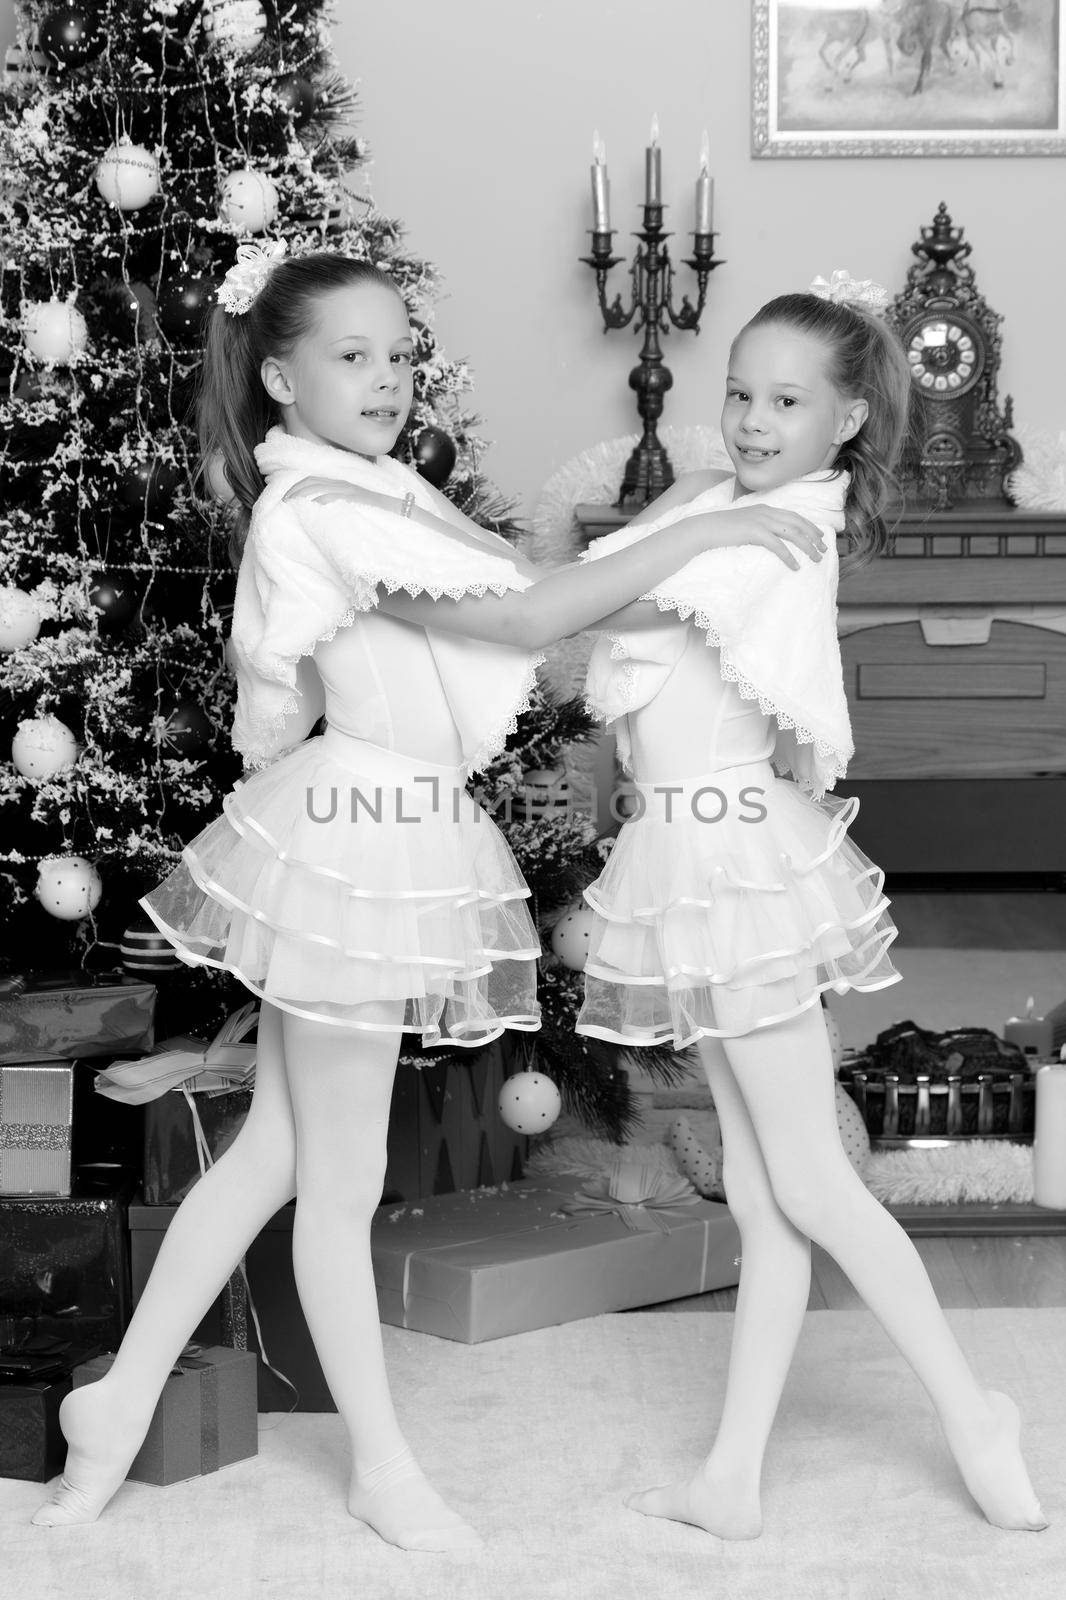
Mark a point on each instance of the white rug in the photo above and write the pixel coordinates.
(539, 1437)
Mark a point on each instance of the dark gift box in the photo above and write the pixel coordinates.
(965, 1083)
(36, 1113)
(34, 1379)
(205, 1419)
(270, 1276)
(535, 1253)
(444, 1130)
(64, 1262)
(86, 1017)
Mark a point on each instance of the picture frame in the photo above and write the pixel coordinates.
(908, 78)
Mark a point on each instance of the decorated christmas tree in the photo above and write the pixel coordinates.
(138, 149)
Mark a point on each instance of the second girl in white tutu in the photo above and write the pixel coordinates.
(733, 897)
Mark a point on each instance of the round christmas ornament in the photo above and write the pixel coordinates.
(434, 456)
(149, 485)
(571, 934)
(529, 1102)
(115, 600)
(71, 36)
(20, 619)
(54, 331)
(187, 729)
(248, 200)
(128, 176)
(68, 887)
(544, 791)
(183, 304)
(297, 95)
(145, 949)
(236, 27)
(43, 747)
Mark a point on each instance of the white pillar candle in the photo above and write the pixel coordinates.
(1049, 1143)
(653, 168)
(601, 189)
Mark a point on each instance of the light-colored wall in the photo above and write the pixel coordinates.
(480, 114)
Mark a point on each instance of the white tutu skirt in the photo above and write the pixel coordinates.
(346, 879)
(730, 902)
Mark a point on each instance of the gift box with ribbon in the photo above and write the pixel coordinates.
(196, 1096)
(205, 1418)
(36, 1107)
(496, 1261)
(76, 1016)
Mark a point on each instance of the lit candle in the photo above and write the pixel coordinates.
(1049, 1140)
(704, 189)
(653, 170)
(1031, 1033)
(601, 189)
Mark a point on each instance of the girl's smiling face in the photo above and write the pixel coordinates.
(783, 417)
(349, 382)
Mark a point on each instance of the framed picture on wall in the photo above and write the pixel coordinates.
(908, 78)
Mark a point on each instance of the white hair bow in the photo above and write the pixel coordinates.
(844, 290)
(246, 277)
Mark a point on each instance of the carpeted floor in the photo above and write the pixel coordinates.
(538, 1438)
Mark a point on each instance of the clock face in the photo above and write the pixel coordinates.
(946, 356)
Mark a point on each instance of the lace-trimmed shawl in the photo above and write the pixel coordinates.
(774, 628)
(308, 570)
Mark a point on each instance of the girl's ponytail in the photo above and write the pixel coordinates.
(233, 414)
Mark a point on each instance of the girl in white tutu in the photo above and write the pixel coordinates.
(351, 882)
(733, 897)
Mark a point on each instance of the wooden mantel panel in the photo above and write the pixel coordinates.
(970, 580)
(1002, 728)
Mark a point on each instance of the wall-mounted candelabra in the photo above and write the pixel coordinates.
(648, 471)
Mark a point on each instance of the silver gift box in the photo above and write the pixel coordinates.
(36, 1110)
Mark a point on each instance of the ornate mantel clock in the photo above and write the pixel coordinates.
(960, 447)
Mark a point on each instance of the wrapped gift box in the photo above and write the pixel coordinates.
(205, 1419)
(444, 1131)
(494, 1262)
(84, 1018)
(36, 1107)
(64, 1268)
(34, 1379)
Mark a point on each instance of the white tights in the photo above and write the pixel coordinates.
(788, 1181)
(317, 1129)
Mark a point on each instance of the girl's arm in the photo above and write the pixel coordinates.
(572, 598)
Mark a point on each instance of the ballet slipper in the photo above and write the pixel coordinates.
(398, 1502)
(989, 1458)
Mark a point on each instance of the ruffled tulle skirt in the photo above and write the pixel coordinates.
(352, 885)
(730, 902)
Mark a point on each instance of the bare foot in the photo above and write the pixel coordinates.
(400, 1504)
(720, 1505)
(101, 1445)
(988, 1453)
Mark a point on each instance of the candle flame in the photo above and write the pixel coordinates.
(599, 149)
(705, 151)
(1030, 1005)
(655, 129)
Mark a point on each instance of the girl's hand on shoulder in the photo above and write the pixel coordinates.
(774, 527)
(325, 490)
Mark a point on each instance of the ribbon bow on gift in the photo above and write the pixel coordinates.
(216, 1068)
(635, 1191)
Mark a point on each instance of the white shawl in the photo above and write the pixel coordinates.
(309, 569)
(775, 630)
